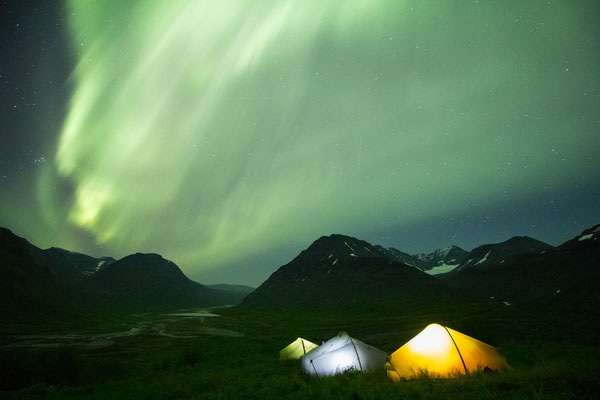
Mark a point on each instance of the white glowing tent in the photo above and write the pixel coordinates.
(340, 354)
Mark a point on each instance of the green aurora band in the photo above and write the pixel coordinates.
(212, 131)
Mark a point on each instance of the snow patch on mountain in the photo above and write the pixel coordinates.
(484, 259)
(442, 269)
(350, 247)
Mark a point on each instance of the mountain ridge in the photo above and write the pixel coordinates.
(331, 270)
(33, 279)
(569, 270)
(499, 252)
(338, 272)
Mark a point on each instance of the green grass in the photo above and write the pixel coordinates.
(546, 362)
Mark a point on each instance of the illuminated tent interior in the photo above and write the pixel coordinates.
(296, 349)
(340, 354)
(439, 351)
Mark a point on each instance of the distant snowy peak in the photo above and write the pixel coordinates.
(445, 257)
(445, 251)
(422, 256)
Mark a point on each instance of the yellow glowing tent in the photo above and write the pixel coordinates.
(296, 349)
(439, 351)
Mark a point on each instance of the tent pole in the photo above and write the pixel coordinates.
(357, 356)
(303, 348)
(313, 365)
(455, 346)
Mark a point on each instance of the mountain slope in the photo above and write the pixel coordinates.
(343, 273)
(236, 293)
(437, 262)
(400, 256)
(25, 286)
(17, 260)
(69, 266)
(569, 272)
(35, 282)
(451, 255)
(232, 288)
(151, 280)
(500, 252)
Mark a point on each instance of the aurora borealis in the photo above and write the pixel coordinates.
(227, 136)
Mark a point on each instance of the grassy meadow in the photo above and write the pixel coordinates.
(550, 357)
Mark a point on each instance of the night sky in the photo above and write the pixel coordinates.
(229, 135)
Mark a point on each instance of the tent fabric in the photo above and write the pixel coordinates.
(296, 349)
(442, 352)
(340, 354)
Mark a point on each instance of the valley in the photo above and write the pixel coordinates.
(544, 364)
(538, 308)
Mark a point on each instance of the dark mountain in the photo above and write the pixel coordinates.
(400, 256)
(340, 246)
(569, 273)
(500, 252)
(25, 285)
(448, 256)
(35, 281)
(441, 259)
(18, 260)
(242, 289)
(62, 265)
(69, 266)
(588, 240)
(341, 272)
(152, 280)
(234, 293)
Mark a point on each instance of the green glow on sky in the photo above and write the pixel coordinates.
(210, 133)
